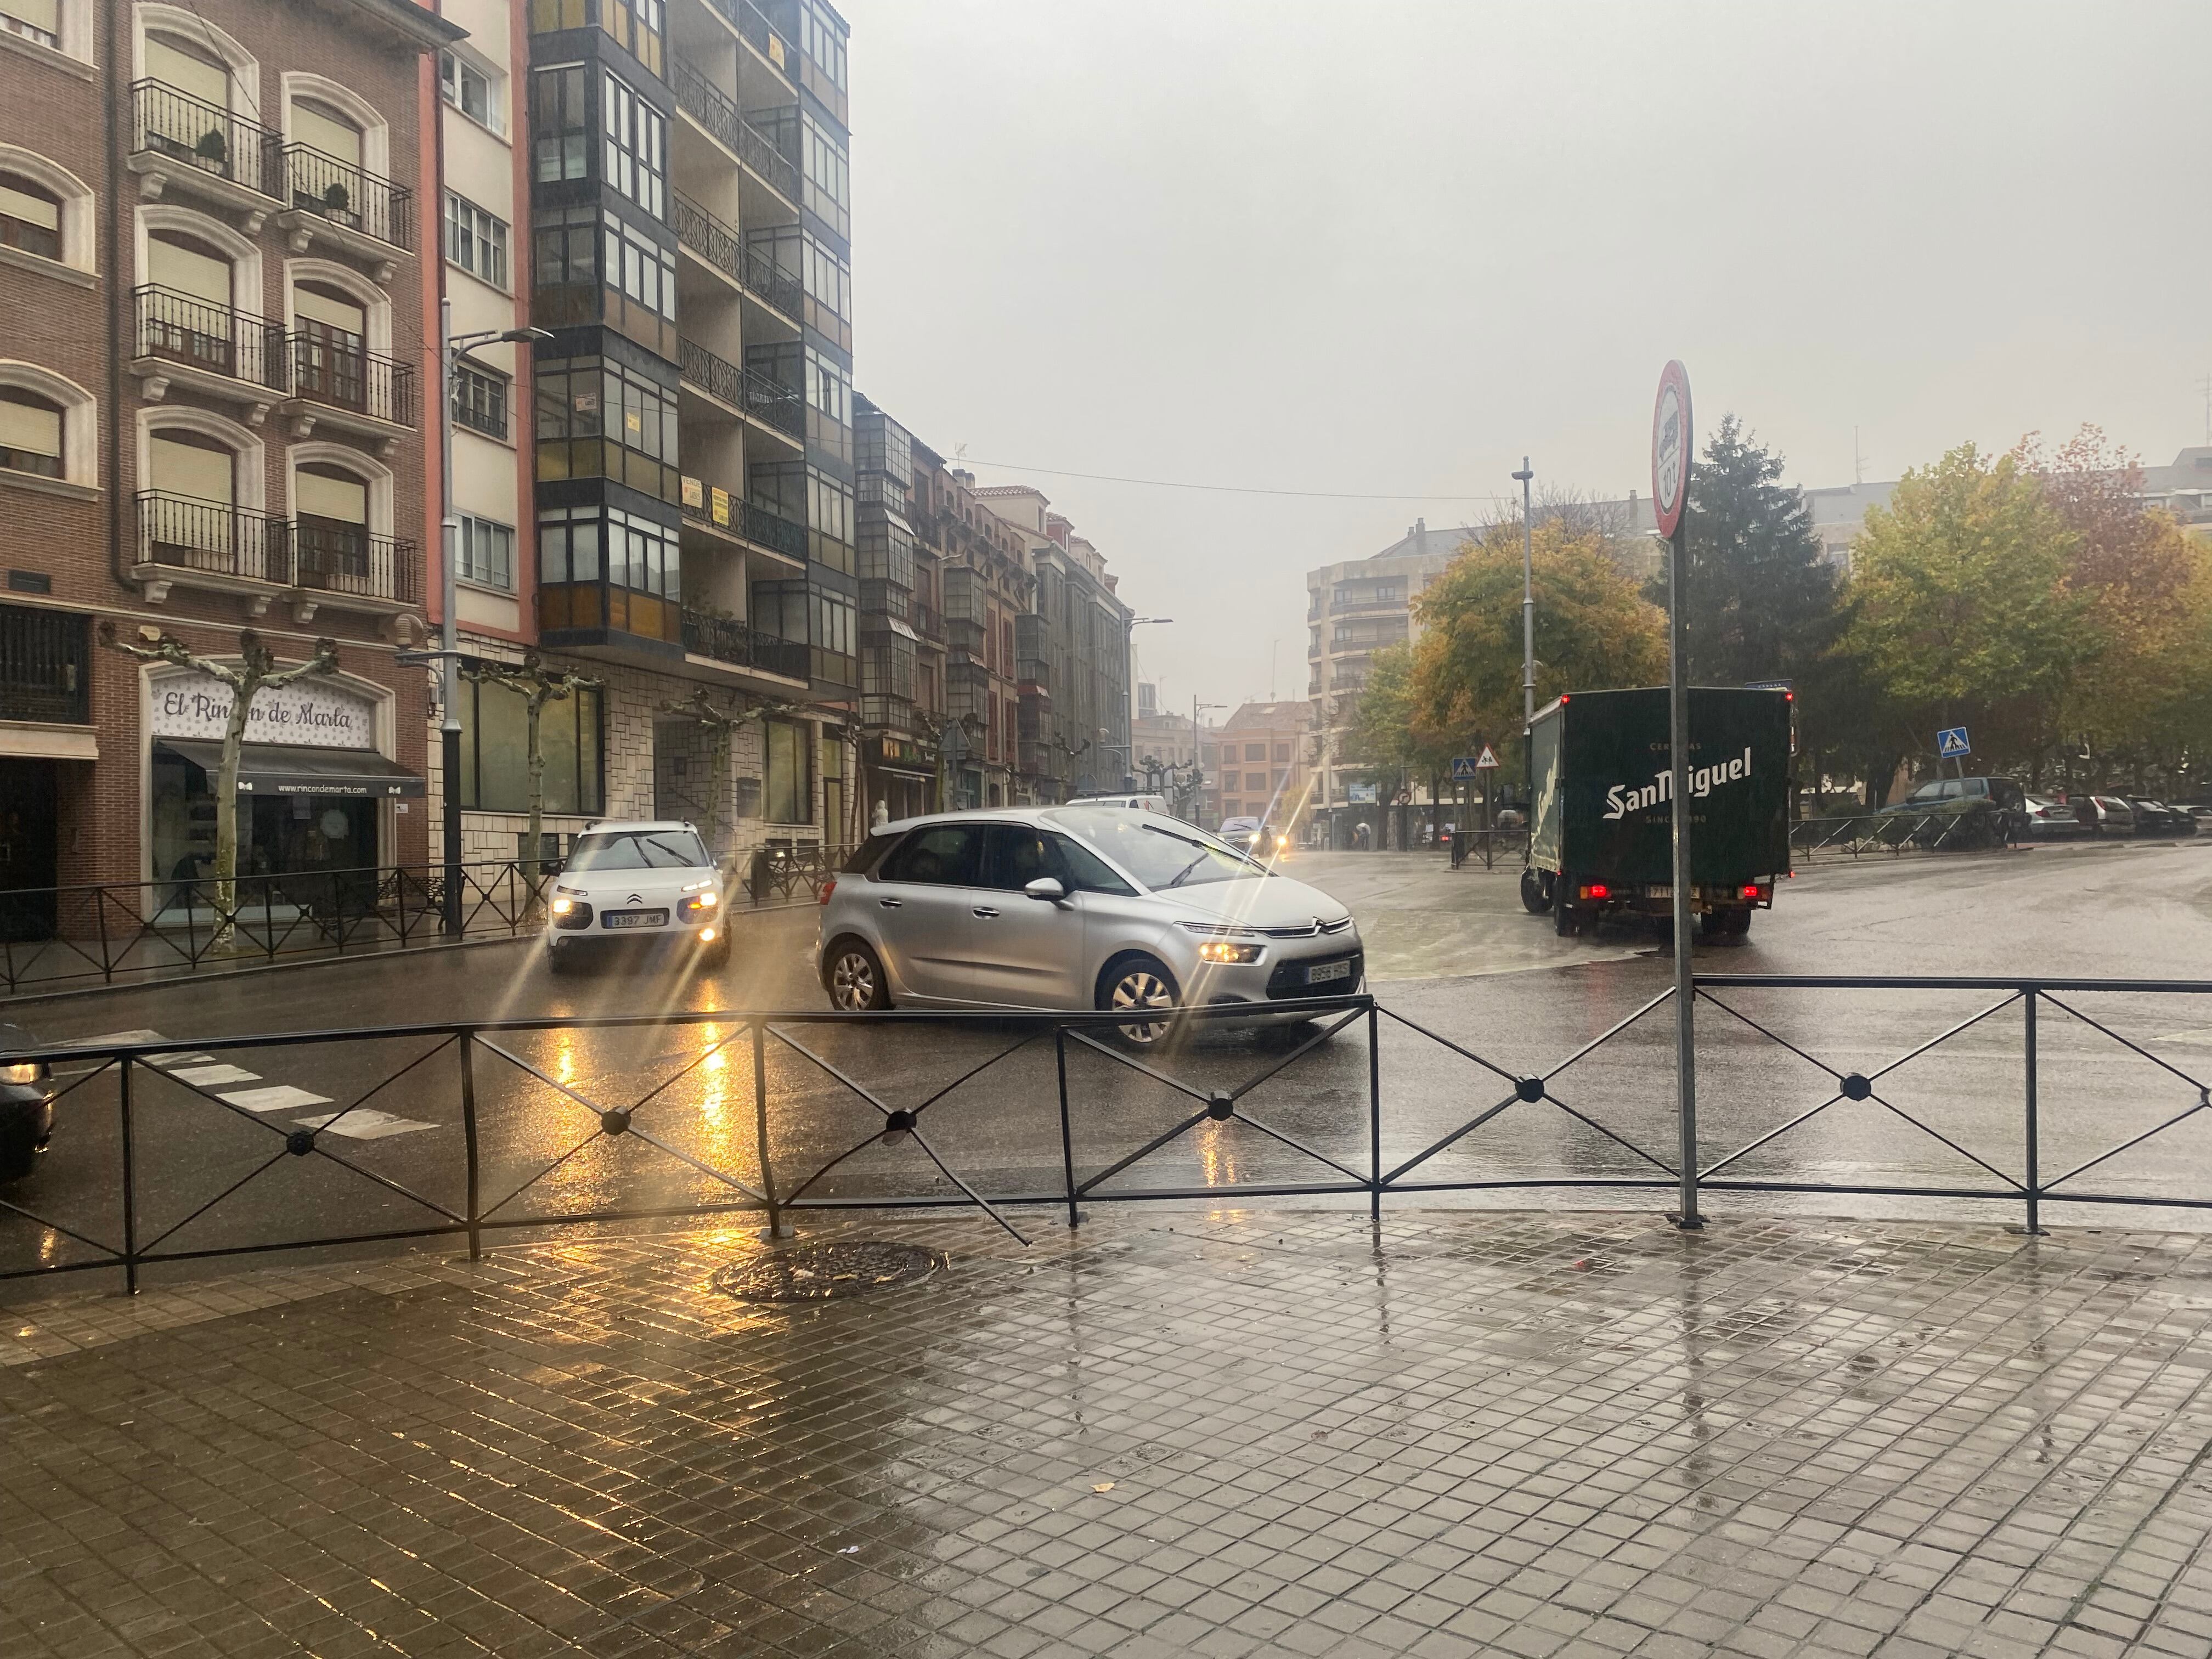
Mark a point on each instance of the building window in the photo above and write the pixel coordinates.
(823, 42)
(598, 420)
(1230, 809)
(647, 271)
(828, 183)
(30, 215)
(476, 240)
(793, 490)
(30, 433)
(788, 796)
(480, 396)
(560, 124)
(1228, 781)
(636, 24)
(38, 21)
(187, 67)
(1282, 751)
(828, 281)
(495, 750)
(1255, 752)
(475, 92)
(636, 146)
(486, 553)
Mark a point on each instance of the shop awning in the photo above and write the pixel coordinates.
(283, 769)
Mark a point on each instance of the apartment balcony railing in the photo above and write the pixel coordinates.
(187, 533)
(758, 395)
(348, 196)
(724, 248)
(712, 109)
(725, 511)
(346, 558)
(179, 127)
(739, 644)
(182, 329)
(326, 371)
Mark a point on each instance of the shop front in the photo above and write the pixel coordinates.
(318, 789)
(901, 778)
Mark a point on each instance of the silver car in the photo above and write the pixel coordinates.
(1074, 907)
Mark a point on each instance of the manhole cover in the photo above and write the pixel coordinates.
(815, 1273)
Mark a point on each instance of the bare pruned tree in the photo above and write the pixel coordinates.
(720, 722)
(537, 685)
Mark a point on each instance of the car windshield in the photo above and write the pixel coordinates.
(1159, 854)
(638, 849)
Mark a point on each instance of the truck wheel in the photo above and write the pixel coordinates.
(1740, 922)
(1715, 924)
(1536, 892)
(1566, 918)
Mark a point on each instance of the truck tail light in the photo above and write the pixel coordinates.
(1597, 889)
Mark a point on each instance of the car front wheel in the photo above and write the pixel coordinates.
(854, 979)
(1135, 984)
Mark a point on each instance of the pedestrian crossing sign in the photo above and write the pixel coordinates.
(1466, 768)
(1952, 741)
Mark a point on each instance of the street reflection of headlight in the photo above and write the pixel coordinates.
(706, 936)
(1217, 950)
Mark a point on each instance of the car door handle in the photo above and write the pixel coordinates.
(984, 911)
(891, 904)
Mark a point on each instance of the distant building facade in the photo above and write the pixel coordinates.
(1259, 765)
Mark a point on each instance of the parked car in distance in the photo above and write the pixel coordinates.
(2154, 817)
(1074, 907)
(632, 884)
(2104, 815)
(2049, 820)
(27, 1105)
(2000, 802)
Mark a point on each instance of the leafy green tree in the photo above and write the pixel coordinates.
(1594, 629)
(1962, 609)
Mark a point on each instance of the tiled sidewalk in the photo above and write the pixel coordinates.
(1250, 1433)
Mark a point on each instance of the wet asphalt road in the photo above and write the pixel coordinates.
(1452, 952)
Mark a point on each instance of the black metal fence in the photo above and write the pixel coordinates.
(67, 939)
(703, 1114)
(347, 195)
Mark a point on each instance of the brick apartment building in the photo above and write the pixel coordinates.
(212, 241)
(1259, 765)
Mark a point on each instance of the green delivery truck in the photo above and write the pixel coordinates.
(1600, 841)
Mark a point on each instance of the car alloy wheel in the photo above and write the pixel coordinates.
(853, 986)
(1139, 986)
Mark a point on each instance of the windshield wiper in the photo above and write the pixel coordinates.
(1192, 865)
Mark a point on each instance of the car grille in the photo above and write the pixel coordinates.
(1289, 979)
(1308, 931)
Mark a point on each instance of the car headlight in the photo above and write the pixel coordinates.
(563, 906)
(23, 1070)
(1222, 950)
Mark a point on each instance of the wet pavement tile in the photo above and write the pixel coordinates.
(1238, 1433)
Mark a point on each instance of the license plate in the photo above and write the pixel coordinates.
(1323, 972)
(1665, 892)
(635, 918)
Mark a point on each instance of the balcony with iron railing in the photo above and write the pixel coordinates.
(753, 28)
(739, 645)
(203, 149)
(312, 555)
(351, 387)
(716, 112)
(722, 510)
(724, 248)
(756, 395)
(212, 348)
(333, 200)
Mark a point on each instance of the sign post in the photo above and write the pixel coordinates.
(1673, 437)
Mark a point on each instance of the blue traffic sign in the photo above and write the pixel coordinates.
(1463, 767)
(1952, 740)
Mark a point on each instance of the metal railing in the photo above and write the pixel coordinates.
(341, 377)
(45, 665)
(758, 395)
(795, 871)
(179, 127)
(525, 1105)
(183, 329)
(712, 109)
(1863, 832)
(347, 558)
(347, 195)
(191, 534)
(727, 640)
(724, 247)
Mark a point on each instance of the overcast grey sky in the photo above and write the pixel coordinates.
(1389, 245)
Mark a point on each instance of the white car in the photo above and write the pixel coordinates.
(1076, 906)
(633, 883)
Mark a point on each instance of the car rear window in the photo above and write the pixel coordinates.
(867, 853)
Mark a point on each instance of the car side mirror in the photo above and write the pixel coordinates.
(1046, 889)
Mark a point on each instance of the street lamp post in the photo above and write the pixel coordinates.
(1524, 478)
(1197, 770)
(452, 349)
(1130, 680)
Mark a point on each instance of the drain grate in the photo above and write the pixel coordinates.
(832, 1268)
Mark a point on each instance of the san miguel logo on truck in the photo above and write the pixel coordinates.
(1620, 800)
